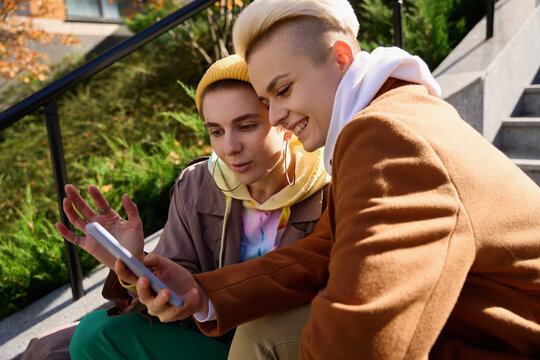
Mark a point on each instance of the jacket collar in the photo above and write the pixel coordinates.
(211, 201)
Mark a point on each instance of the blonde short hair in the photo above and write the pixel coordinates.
(259, 17)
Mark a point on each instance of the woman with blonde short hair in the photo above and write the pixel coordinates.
(429, 247)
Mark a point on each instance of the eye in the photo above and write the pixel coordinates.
(247, 127)
(285, 90)
(215, 132)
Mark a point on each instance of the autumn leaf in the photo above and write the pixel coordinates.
(106, 188)
(16, 33)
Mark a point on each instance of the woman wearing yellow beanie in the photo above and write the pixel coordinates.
(258, 191)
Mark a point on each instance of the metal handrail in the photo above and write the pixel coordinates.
(47, 96)
(69, 81)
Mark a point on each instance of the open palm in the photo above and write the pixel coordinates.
(128, 232)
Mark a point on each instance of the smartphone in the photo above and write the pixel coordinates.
(110, 243)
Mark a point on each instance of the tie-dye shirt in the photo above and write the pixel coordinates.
(261, 232)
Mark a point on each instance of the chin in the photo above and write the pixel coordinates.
(309, 146)
(246, 180)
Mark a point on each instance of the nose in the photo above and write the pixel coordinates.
(232, 144)
(277, 114)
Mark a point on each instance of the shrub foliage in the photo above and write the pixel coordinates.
(130, 129)
(431, 29)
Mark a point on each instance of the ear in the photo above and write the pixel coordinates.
(343, 54)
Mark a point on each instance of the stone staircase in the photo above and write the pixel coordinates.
(520, 134)
(484, 79)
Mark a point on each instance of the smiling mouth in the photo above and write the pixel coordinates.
(301, 125)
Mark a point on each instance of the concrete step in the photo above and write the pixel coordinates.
(521, 135)
(531, 100)
(531, 167)
(55, 309)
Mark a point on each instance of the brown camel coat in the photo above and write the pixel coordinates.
(429, 247)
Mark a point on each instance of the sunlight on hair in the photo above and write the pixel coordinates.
(261, 15)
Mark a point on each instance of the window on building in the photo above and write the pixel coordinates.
(97, 10)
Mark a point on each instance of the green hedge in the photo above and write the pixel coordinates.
(32, 256)
(129, 129)
(431, 29)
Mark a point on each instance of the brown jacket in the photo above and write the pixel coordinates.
(430, 246)
(192, 234)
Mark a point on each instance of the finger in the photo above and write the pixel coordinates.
(89, 244)
(195, 301)
(99, 200)
(124, 273)
(153, 261)
(143, 290)
(155, 303)
(62, 229)
(65, 232)
(193, 298)
(172, 313)
(73, 216)
(161, 308)
(131, 209)
(162, 299)
(70, 235)
(80, 204)
(192, 302)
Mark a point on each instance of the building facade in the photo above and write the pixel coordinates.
(81, 10)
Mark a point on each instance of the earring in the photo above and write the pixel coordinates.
(224, 190)
(287, 138)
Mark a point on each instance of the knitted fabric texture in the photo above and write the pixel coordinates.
(232, 67)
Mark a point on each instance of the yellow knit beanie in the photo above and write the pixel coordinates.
(232, 67)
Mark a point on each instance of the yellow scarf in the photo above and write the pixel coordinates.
(310, 173)
(310, 178)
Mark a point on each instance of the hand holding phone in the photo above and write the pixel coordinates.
(110, 243)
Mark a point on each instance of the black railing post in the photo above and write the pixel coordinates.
(398, 23)
(59, 169)
(490, 15)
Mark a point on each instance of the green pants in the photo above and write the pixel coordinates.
(131, 336)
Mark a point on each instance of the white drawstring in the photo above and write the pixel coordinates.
(228, 202)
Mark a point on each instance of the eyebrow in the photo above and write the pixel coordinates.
(235, 120)
(272, 83)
